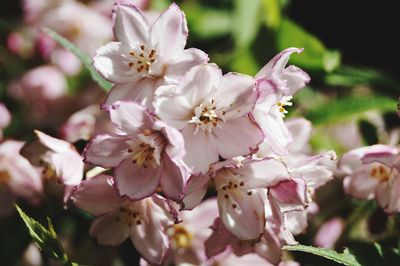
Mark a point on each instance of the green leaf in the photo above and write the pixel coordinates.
(207, 22)
(345, 258)
(272, 11)
(315, 56)
(84, 58)
(45, 239)
(351, 76)
(343, 108)
(246, 21)
(244, 62)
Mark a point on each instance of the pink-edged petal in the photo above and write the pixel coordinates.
(136, 182)
(174, 178)
(329, 233)
(196, 86)
(387, 157)
(140, 91)
(290, 79)
(290, 195)
(149, 237)
(277, 136)
(300, 130)
(169, 32)
(185, 61)
(263, 173)
(394, 201)
(53, 144)
(109, 61)
(194, 191)
(68, 167)
(107, 150)
(201, 150)
(219, 239)
(236, 95)
(130, 25)
(203, 215)
(131, 118)
(243, 215)
(238, 137)
(107, 231)
(360, 185)
(97, 195)
(176, 144)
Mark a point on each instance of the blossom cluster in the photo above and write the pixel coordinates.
(194, 166)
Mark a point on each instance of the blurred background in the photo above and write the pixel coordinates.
(350, 54)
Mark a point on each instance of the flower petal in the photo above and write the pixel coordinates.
(130, 117)
(110, 63)
(97, 195)
(169, 32)
(136, 182)
(130, 25)
(201, 150)
(140, 91)
(237, 137)
(300, 129)
(194, 191)
(185, 61)
(106, 150)
(236, 95)
(108, 231)
(174, 178)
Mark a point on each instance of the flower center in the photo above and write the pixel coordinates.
(380, 172)
(128, 217)
(206, 116)
(4, 177)
(280, 105)
(234, 188)
(143, 155)
(179, 236)
(140, 59)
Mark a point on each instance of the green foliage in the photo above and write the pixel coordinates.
(246, 21)
(345, 258)
(343, 108)
(84, 58)
(315, 56)
(45, 239)
(272, 12)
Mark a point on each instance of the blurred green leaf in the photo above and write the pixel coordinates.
(345, 258)
(207, 22)
(245, 62)
(331, 60)
(272, 13)
(246, 21)
(351, 76)
(315, 55)
(45, 239)
(346, 107)
(84, 58)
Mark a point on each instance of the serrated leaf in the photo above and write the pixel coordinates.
(343, 108)
(246, 21)
(345, 258)
(83, 57)
(45, 239)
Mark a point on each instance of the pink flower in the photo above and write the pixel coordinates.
(117, 218)
(187, 238)
(373, 172)
(18, 178)
(212, 111)
(146, 153)
(268, 246)
(329, 233)
(62, 166)
(145, 56)
(5, 118)
(276, 85)
(242, 194)
(85, 124)
(40, 85)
